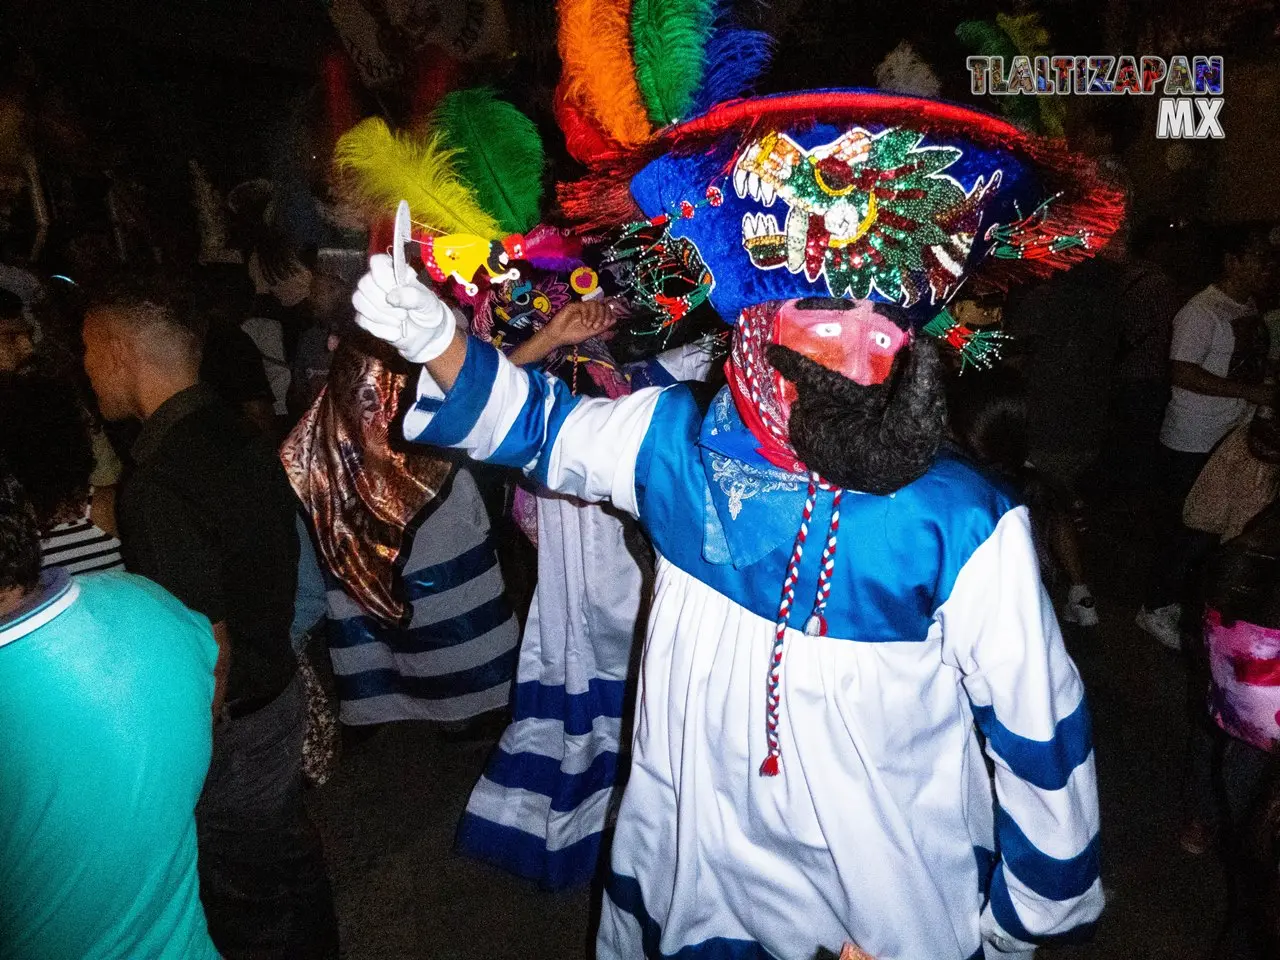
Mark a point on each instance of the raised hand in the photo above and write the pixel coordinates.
(409, 316)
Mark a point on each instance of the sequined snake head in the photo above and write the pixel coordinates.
(868, 212)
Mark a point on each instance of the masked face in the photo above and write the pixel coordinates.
(847, 337)
(825, 385)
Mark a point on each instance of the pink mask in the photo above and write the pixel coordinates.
(853, 340)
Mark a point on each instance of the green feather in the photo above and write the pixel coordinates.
(987, 39)
(669, 44)
(500, 155)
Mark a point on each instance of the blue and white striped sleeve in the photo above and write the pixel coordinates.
(500, 413)
(1000, 631)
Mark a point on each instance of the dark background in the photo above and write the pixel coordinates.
(144, 85)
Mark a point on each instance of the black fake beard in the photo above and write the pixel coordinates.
(876, 439)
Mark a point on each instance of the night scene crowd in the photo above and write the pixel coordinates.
(738, 496)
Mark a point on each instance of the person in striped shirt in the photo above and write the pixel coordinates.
(45, 437)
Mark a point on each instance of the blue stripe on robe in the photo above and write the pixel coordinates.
(564, 404)
(1047, 764)
(541, 774)
(986, 863)
(1047, 876)
(578, 711)
(1006, 915)
(461, 410)
(527, 433)
(625, 892)
(527, 855)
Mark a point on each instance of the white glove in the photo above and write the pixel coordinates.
(409, 316)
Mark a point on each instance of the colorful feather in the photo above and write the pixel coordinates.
(500, 155)
(736, 59)
(384, 168)
(903, 70)
(553, 249)
(585, 141)
(669, 39)
(988, 39)
(599, 72)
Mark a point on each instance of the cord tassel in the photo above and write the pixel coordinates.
(816, 625)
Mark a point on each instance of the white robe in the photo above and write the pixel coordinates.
(880, 829)
(540, 807)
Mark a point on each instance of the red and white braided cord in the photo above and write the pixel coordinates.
(816, 625)
(749, 363)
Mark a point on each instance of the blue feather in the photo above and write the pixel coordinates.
(736, 59)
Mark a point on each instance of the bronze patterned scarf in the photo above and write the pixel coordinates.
(361, 490)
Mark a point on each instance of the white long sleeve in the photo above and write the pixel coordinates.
(1000, 631)
(500, 413)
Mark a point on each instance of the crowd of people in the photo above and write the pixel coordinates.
(206, 514)
(244, 504)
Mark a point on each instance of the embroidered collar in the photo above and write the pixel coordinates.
(54, 594)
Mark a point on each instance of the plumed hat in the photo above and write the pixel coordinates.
(858, 194)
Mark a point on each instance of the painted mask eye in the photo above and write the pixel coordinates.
(881, 339)
(827, 330)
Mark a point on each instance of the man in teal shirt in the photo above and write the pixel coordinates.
(106, 690)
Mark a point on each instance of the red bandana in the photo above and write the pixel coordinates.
(754, 388)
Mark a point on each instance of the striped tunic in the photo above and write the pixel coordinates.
(884, 827)
(457, 657)
(541, 807)
(80, 547)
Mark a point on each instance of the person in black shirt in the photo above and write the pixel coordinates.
(232, 366)
(208, 513)
(230, 362)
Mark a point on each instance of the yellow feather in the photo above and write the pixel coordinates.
(382, 168)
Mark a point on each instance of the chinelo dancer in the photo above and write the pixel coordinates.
(837, 603)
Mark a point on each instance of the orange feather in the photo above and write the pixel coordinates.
(599, 72)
